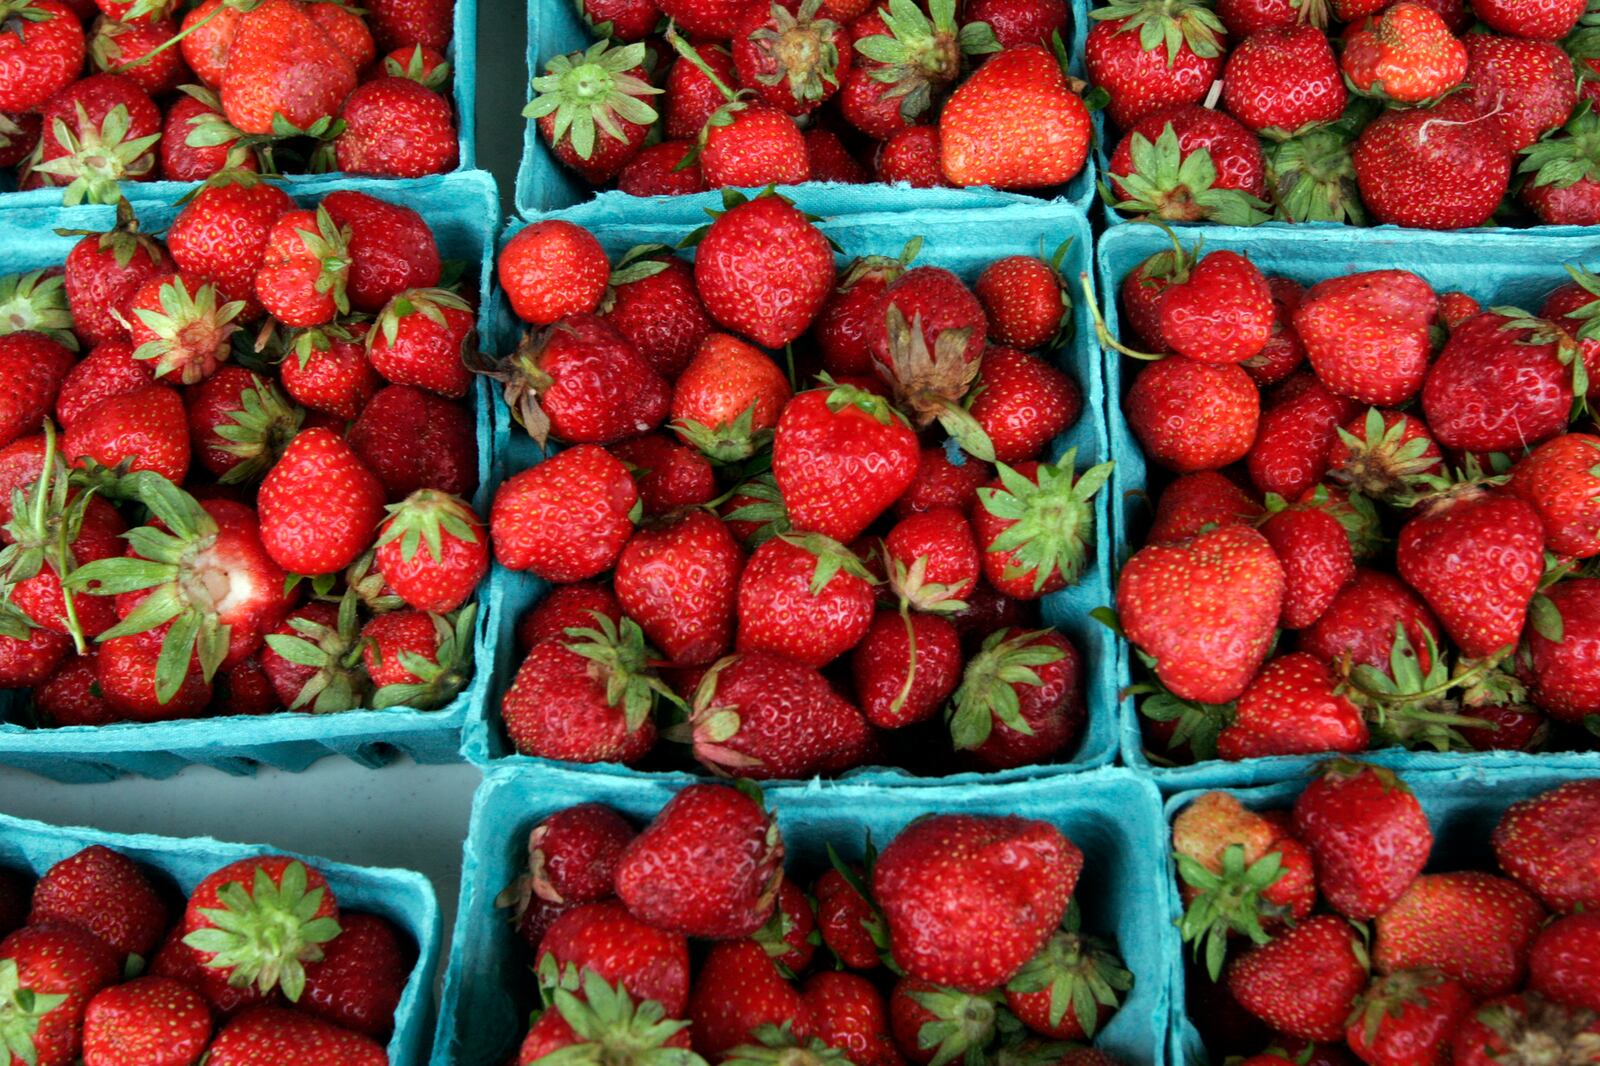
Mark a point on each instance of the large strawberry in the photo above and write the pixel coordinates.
(49, 971)
(320, 506)
(764, 270)
(592, 109)
(842, 456)
(1283, 78)
(1444, 167)
(1535, 844)
(283, 69)
(1149, 55)
(43, 49)
(1366, 335)
(1406, 1011)
(1406, 55)
(806, 597)
(1472, 926)
(1367, 833)
(604, 939)
(566, 519)
(1305, 982)
(1014, 124)
(158, 1020)
(1190, 416)
(582, 382)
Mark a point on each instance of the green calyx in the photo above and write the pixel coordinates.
(366, 582)
(258, 430)
(441, 678)
(21, 1012)
(1081, 973)
(916, 592)
(423, 518)
(333, 653)
(1414, 708)
(923, 52)
(1172, 24)
(1568, 157)
(263, 935)
(192, 330)
(45, 520)
(1311, 176)
(431, 304)
(590, 91)
(799, 47)
(988, 689)
(416, 70)
(870, 404)
(882, 267)
(1227, 902)
(1589, 313)
(930, 383)
(1167, 183)
(37, 303)
(622, 659)
(1051, 519)
(1389, 996)
(1542, 331)
(764, 508)
(963, 1024)
(124, 241)
(778, 1046)
(329, 245)
(614, 1031)
(832, 558)
(711, 725)
(98, 157)
(1199, 724)
(1383, 464)
(726, 442)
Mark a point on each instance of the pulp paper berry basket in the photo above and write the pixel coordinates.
(545, 184)
(964, 242)
(1463, 806)
(1508, 267)
(1113, 815)
(463, 56)
(462, 210)
(402, 897)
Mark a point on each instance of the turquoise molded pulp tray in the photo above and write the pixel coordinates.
(1463, 805)
(965, 242)
(1113, 815)
(544, 184)
(401, 896)
(463, 210)
(1508, 267)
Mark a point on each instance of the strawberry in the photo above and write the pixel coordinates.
(1476, 558)
(566, 519)
(19, 135)
(1546, 21)
(221, 235)
(359, 981)
(1565, 186)
(1525, 83)
(1295, 436)
(842, 324)
(329, 372)
(1019, 22)
(104, 271)
(1015, 123)
(1504, 380)
(1190, 416)
(273, 1034)
(97, 132)
(417, 659)
(1023, 403)
(421, 338)
(251, 894)
(106, 893)
(679, 580)
(926, 332)
(422, 64)
(398, 23)
(281, 63)
(841, 457)
(456, 557)
(563, 607)
(302, 277)
(146, 428)
(320, 506)
(849, 924)
(240, 424)
(1020, 700)
(1442, 167)
(1283, 78)
(125, 673)
(42, 52)
(728, 398)
(177, 960)
(30, 658)
(1191, 502)
(791, 59)
(1035, 523)
(33, 367)
(1366, 335)
(415, 440)
(1558, 671)
(805, 597)
(1403, 1013)
(1471, 926)
(1305, 982)
(707, 866)
(108, 370)
(847, 1012)
(670, 475)
(613, 1024)
(581, 381)
(1080, 971)
(1024, 299)
(113, 44)
(200, 117)
(1367, 833)
(1204, 651)
(1187, 163)
(1283, 353)
(391, 248)
(943, 480)
(182, 325)
(904, 668)
(1565, 962)
(751, 144)
(789, 937)
(737, 992)
(591, 108)
(930, 1021)
(912, 155)
(573, 854)
(829, 159)
(932, 560)
(604, 939)
(1522, 1027)
(1296, 705)
(396, 128)
(969, 899)
(1533, 843)
(763, 270)
(693, 93)
(552, 269)
(1406, 55)
(1384, 454)
(1316, 558)
(651, 300)
(55, 969)
(769, 717)
(154, 1020)
(1173, 57)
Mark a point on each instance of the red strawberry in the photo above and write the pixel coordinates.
(221, 235)
(1172, 59)
(567, 518)
(185, 118)
(268, 889)
(564, 607)
(1367, 833)
(670, 475)
(1296, 436)
(330, 372)
(302, 277)
(1283, 78)
(614, 1023)
(591, 108)
(154, 1020)
(320, 506)
(1526, 85)
(1406, 55)
(932, 560)
(912, 155)
(845, 319)
(104, 892)
(1384, 454)
(147, 427)
(1191, 502)
(727, 400)
(849, 924)
(1069, 989)
(32, 367)
(1015, 123)
(792, 59)
(1504, 380)
(391, 248)
(580, 381)
(1296, 705)
(396, 128)
(943, 480)
(1305, 982)
(1220, 311)
(1522, 1026)
(1366, 335)
(1547, 21)
(1534, 843)
(104, 271)
(829, 160)
(108, 370)
(930, 1021)
(737, 991)
(177, 960)
(240, 424)
(841, 457)
(1558, 668)
(1565, 963)
(757, 144)
(904, 668)
(1035, 523)
(89, 145)
(1407, 1014)
(805, 597)
(360, 979)
(552, 269)
(573, 854)
(789, 937)
(416, 658)
(1204, 651)
(421, 338)
(679, 580)
(1316, 558)
(281, 62)
(1020, 700)
(1191, 416)
(1556, 478)
(42, 54)
(1444, 167)
(58, 968)
(606, 940)
(30, 658)
(1022, 403)
(969, 900)
(415, 440)
(125, 673)
(847, 1012)
(1024, 299)
(651, 300)
(1360, 623)
(764, 270)
(1473, 927)
(267, 1034)
(1284, 352)
(1562, 189)
(709, 865)
(926, 333)
(692, 96)
(664, 169)
(1187, 163)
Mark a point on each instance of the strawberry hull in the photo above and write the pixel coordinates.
(1111, 814)
(1505, 268)
(462, 210)
(403, 897)
(1463, 806)
(964, 242)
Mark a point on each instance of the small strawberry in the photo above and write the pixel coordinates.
(327, 370)
(592, 108)
(806, 597)
(221, 235)
(1188, 163)
(182, 325)
(104, 271)
(1524, 83)
(1025, 300)
(197, 115)
(904, 668)
(851, 926)
(1546, 21)
(1020, 700)
(417, 659)
(764, 269)
(421, 338)
(740, 996)
(913, 155)
(1284, 353)
(552, 269)
(1014, 124)
(391, 247)
(1316, 557)
(842, 324)
(847, 1012)
(1534, 843)
(841, 456)
(412, 439)
(320, 506)
(1069, 989)
(1366, 335)
(679, 579)
(1504, 380)
(1305, 982)
(1035, 524)
(1404, 1013)
(32, 368)
(564, 607)
(265, 1032)
(614, 1026)
(361, 977)
(1561, 680)
(931, 1022)
(396, 128)
(50, 971)
(1147, 56)
(125, 673)
(943, 480)
(728, 398)
(1295, 437)
(1473, 927)
(1191, 502)
(566, 519)
(153, 1020)
(1367, 833)
(1022, 403)
(106, 893)
(1283, 78)
(792, 59)
(1384, 454)
(693, 93)
(1190, 416)
(670, 475)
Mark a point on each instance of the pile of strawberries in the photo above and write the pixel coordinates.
(787, 91)
(134, 90)
(1332, 946)
(1390, 496)
(257, 965)
(960, 939)
(254, 499)
(796, 574)
(1416, 113)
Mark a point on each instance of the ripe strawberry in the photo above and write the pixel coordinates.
(614, 1024)
(148, 428)
(566, 519)
(932, 561)
(1384, 454)
(1504, 380)
(943, 481)
(1405, 1013)
(651, 300)
(43, 53)
(930, 1021)
(849, 924)
(763, 270)
(756, 144)
(727, 400)
(1172, 59)
(829, 160)
(969, 900)
(1296, 436)
(791, 59)
(267, 1034)
(391, 248)
(187, 117)
(709, 865)
(398, 23)
(913, 155)
(1023, 403)
(1296, 705)
(104, 271)
(221, 235)
(456, 557)
(177, 960)
(240, 424)
(1521, 1026)
(591, 108)
(1015, 123)
(1187, 163)
(1305, 982)
(1074, 970)
(789, 937)
(1024, 299)
(846, 1011)
(841, 457)
(32, 367)
(302, 277)
(1316, 558)
(1020, 700)
(1561, 680)
(581, 381)
(181, 325)
(89, 145)
(768, 717)
(1476, 558)
(274, 889)
(1283, 78)
(552, 269)
(678, 579)
(416, 440)
(842, 324)
(396, 128)
(421, 338)
(1366, 335)
(573, 854)
(1534, 843)
(1284, 352)
(113, 43)
(282, 63)
(904, 668)
(1406, 55)
(108, 370)
(359, 981)
(1367, 833)
(1471, 926)
(330, 372)
(422, 64)
(125, 673)
(154, 1020)
(1444, 167)
(1035, 524)
(932, 306)
(806, 597)
(19, 135)
(737, 991)
(1525, 84)
(606, 940)
(1546, 21)
(57, 968)
(106, 893)
(1190, 416)
(33, 657)
(670, 475)
(564, 607)
(692, 93)
(417, 659)
(320, 506)
(1191, 502)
